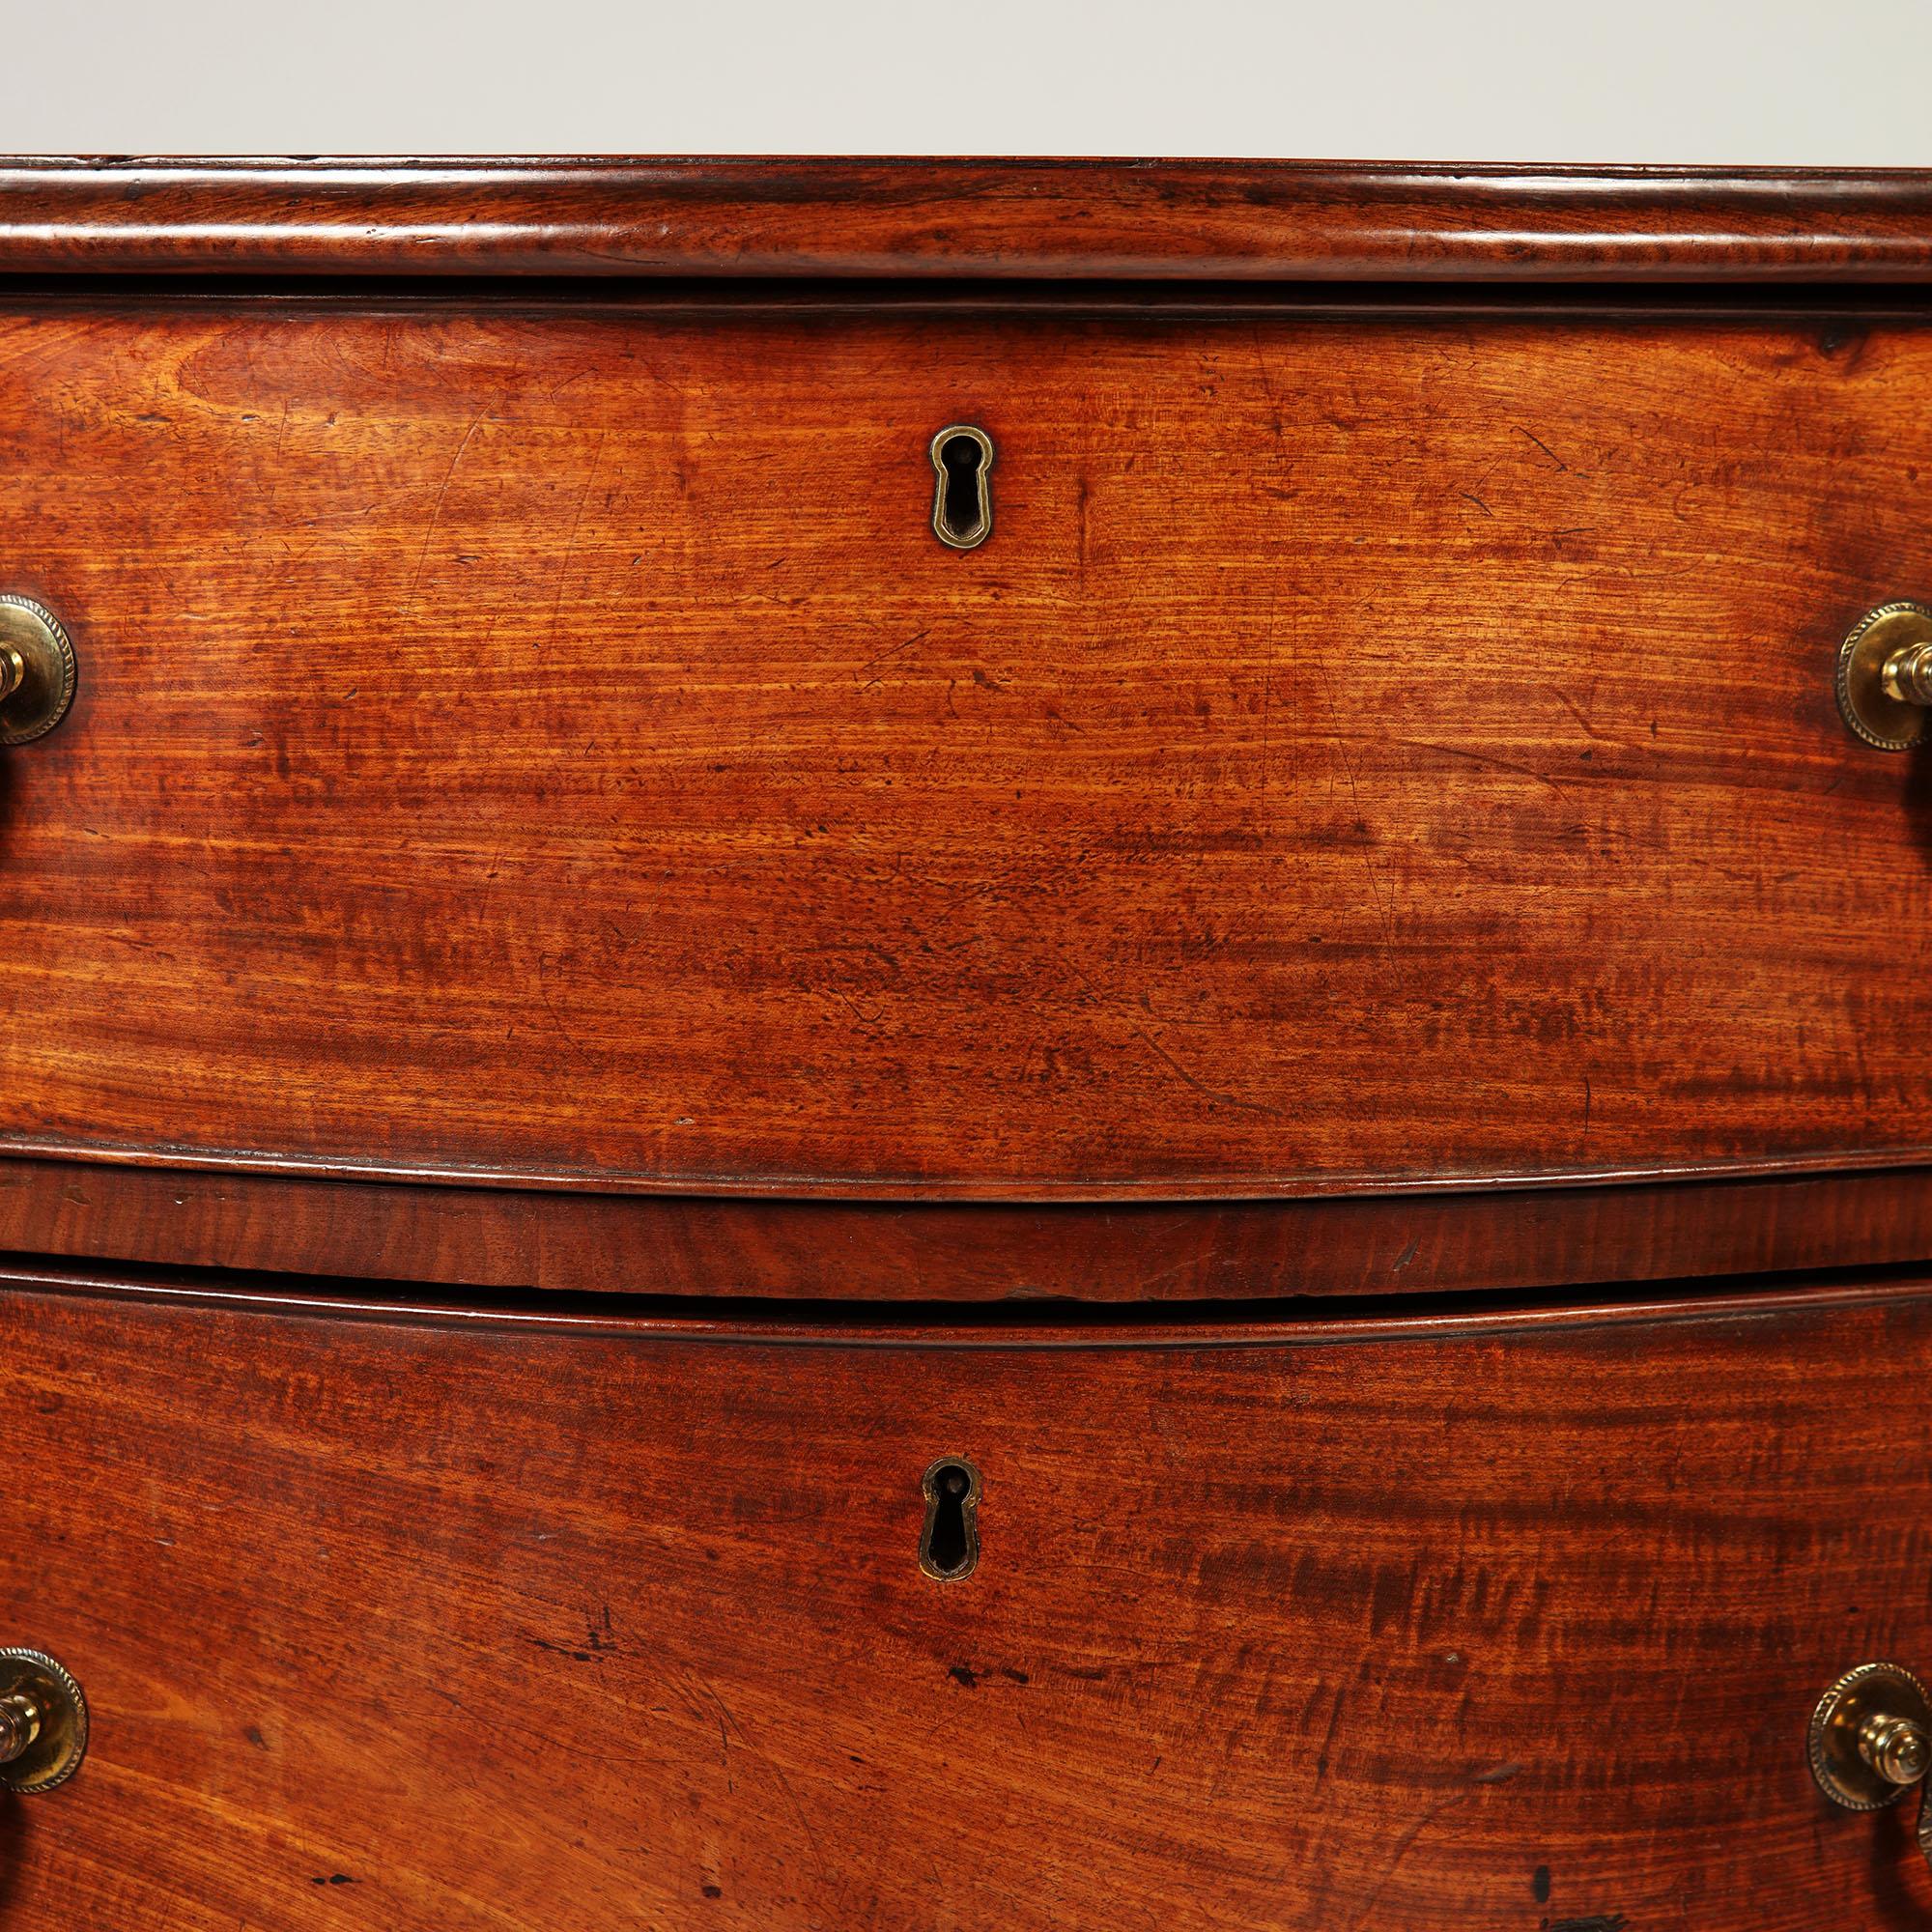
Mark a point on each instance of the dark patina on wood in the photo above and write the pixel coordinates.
(597, 1241)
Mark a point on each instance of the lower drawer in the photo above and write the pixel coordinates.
(413, 1621)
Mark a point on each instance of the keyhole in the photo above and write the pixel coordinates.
(951, 1545)
(962, 502)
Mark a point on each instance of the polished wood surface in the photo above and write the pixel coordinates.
(401, 1624)
(592, 1242)
(540, 743)
(945, 219)
(574, 983)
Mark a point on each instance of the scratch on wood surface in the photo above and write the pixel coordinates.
(570, 542)
(727, 1724)
(1161, 1052)
(885, 656)
(436, 513)
(1543, 446)
(559, 1024)
(1481, 758)
(1381, 889)
(1182, 1073)
(1576, 711)
(1403, 1845)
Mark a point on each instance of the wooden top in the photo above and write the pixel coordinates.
(1156, 221)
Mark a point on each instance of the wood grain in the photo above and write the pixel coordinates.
(541, 812)
(592, 1242)
(394, 1625)
(930, 218)
(549, 744)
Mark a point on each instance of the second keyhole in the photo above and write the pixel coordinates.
(949, 1546)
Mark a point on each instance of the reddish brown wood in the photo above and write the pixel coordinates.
(543, 813)
(1200, 221)
(963, 1252)
(388, 1623)
(540, 744)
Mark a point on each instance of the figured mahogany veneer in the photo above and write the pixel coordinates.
(423, 1622)
(547, 743)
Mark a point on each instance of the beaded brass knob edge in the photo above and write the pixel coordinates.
(1885, 676)
(38, 672)
(43, 1721)
(1870, 1739)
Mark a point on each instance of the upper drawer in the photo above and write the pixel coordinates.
(549, 741)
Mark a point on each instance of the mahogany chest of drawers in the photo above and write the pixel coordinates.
(953, 1047)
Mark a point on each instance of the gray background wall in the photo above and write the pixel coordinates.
(1827, 82)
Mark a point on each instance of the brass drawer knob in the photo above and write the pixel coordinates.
(1885, 676)
(1872, 1741)
(36, 671)
(43, 1721)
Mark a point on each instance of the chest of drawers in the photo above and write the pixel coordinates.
(939, 1045)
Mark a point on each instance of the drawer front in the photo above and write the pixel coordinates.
(550, 743)
(433, 1624)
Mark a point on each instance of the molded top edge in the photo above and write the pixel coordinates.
(1041, 219)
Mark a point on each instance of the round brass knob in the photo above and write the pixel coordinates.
(1896, 1748)
(1871, 1737)
(43, 1721)
(36, 671)
(1885, 676)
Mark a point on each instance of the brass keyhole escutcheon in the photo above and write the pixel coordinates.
(962, 497)
(949, 1546)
